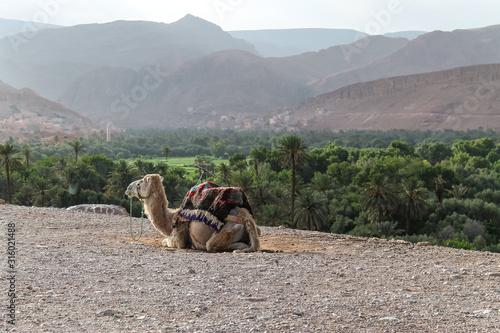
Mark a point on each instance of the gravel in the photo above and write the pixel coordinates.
(82, 272)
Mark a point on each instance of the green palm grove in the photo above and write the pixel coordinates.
(359, 183)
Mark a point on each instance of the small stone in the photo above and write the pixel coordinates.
(423, 243)
(50, 293)
(191, 270)
(392, 318)
(456, 277)
(249, 315)
(107, 312)
(494, 274)
(298, 313)
(256, 299)
(483, 313)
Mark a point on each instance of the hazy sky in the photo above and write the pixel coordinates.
(370, 16)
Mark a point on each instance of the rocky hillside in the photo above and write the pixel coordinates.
(459, 99)
(24, 113)
(29, 101)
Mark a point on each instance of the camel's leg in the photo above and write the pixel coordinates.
(227, 239)
(252, 229)
(169, 242)
(178, 237)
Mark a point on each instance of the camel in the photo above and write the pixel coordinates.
(201, 222)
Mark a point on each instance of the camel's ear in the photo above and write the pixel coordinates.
(161, 178)
(147, 179)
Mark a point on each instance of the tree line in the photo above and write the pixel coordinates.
(441, 192)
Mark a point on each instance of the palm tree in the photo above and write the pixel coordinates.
(145, 167)
(440, 188)
(261, 194)
(166, 151)
(40, 187)
(413, 204)
(378, 197)
(27, 155)
(322, 182)
(244, 181)
(292, 153)
(224, 172)
(59, 167)
(8, 161)
(119, 179)
(458, 192)
(77, 146)
(311, 210)
(387, 228)
(272, 215)
(240, 166)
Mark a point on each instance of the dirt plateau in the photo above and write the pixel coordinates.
(82, 272)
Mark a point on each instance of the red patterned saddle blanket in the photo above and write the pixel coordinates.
(209, 203)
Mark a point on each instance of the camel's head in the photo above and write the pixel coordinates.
(144, 187)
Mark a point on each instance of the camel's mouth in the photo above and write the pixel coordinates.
(130, 192)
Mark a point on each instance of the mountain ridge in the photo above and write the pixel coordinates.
(459, 99)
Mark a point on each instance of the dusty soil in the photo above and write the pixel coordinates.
(82, 272)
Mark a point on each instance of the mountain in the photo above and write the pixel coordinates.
(410, 34)
(430, 52)
(192, 73)
(459, 99)
(237, 89)
(217, 88)
(312, 67)
(12, 27)
(54, 58)
(288, 42)
(24, 113)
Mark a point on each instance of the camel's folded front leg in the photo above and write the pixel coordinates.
(170, 242)
(178, 237)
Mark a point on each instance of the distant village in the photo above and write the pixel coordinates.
(279, 119)
(24, 126)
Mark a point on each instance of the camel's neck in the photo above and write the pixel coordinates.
(156, 208)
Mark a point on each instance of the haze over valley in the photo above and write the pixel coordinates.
(191, 73)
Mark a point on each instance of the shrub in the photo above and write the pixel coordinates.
(387, 229)
(472, 229)
(458, 244)
(419, 238)
(479, 243)
(445, 233)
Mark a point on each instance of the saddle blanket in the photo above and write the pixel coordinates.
(209, 203)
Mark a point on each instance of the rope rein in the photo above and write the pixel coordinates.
(142, 221)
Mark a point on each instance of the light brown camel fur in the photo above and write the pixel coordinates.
(239, 232)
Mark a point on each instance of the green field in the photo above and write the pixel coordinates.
(184, 162)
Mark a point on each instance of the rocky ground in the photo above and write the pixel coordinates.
(82, 272)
